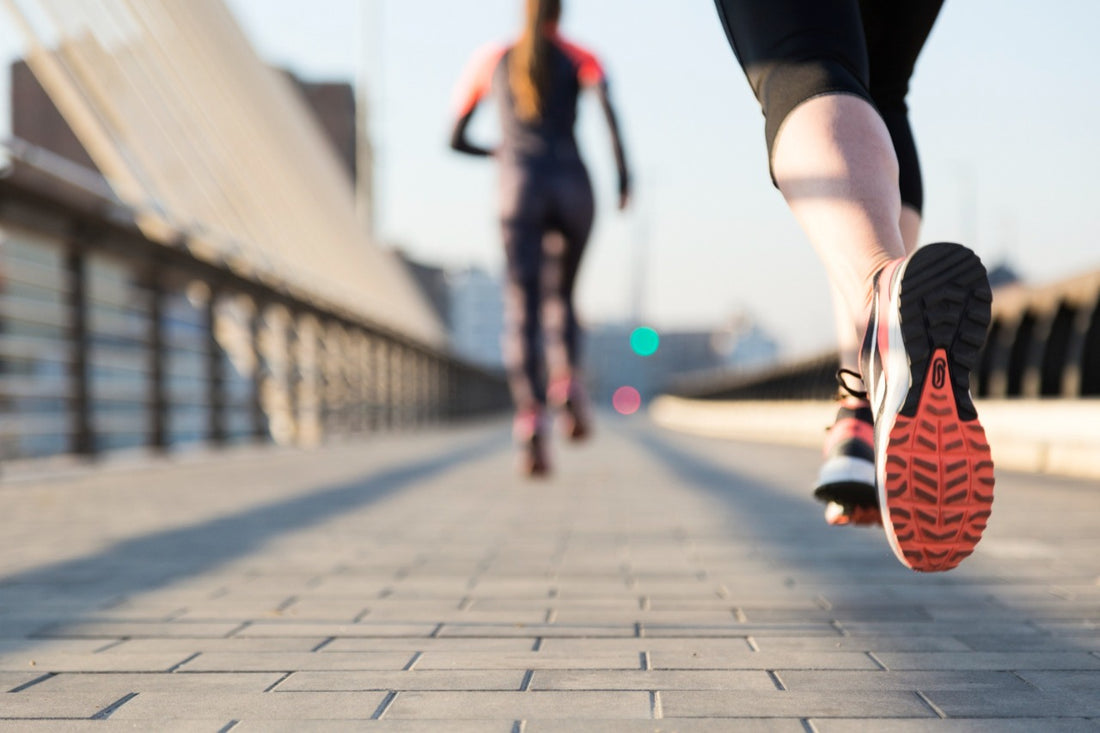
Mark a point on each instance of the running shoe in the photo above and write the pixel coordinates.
(934, 472)
(846, 482)
(569, 396)
(529, 433)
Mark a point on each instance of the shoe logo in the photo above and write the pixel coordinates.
(939, 373)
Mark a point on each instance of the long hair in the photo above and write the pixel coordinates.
(529, 63)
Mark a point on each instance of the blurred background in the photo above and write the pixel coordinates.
(236, 221)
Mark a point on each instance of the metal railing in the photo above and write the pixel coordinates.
(1043, 342)
(111, 341)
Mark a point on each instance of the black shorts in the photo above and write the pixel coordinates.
(794, 50)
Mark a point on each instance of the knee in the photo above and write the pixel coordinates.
(783, 85)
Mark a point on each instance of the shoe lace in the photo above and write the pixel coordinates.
(845, 388)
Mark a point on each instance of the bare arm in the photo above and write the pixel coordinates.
(616, 142)
(473, 87)
(460, 141)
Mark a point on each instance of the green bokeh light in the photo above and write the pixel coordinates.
(644, 341)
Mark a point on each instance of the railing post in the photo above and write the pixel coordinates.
(83, 437)
(259, 421)
(158, 393)
(1072, 375)
(215, 372)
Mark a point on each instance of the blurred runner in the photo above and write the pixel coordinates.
(546, 210)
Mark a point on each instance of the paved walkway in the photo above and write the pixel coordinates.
(658, 583)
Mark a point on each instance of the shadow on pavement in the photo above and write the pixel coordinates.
(46, 598)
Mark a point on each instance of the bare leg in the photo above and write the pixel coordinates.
(836, 167)
(850, 326)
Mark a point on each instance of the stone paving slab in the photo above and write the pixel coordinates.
(483, 679)
(290, 661)
(782, 703)
(157, 706)
(58, 706)
(669, 725)
(573, 679)
(111, 726)
(185, 683)
(970, 725)
(378, 726)
(29, 658)
(586, 705)
(411, 583)
(841, 682)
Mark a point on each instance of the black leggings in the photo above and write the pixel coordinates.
(546, 217)
(793, 50)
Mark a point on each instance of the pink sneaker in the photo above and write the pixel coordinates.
(529, 433)
(934, 472)
(569, 396)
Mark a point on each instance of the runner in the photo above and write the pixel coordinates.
(907, 449)
(546, 213)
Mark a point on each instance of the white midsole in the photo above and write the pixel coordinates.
(846, 469)
(898, 383)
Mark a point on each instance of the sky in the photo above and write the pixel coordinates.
(1003, 103)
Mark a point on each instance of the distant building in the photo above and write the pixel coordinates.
(610, 363)
(1002, 274)
(476, 316)
(433, 283)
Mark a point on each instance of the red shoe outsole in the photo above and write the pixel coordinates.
(939, 478)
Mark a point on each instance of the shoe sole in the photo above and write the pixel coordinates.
(937, 479)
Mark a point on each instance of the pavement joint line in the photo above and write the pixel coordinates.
(175, 614)
(519, 726)
(360, 616)
(639, 630)
(877, 661)
(111, 644)
(551, 615)
(32, 683)
(739, 616)
(436, 631)
(932, 706)
(537, 645)
(323, 644)
(219, 593)
(808, 725)
(752, 644)
(655, 705)
(385, 593)
(525, 685)
(722, 591)
(384, 705)
(229, 726)
(233, 632)
(823, 603)
(412, 662)
(175, 667)
(465, 603)
(644, 661)
(110, 709)
(776, 680)
(1023, 679)
(839, 628)
(643, 603)
(278, 682)
(287, 603)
